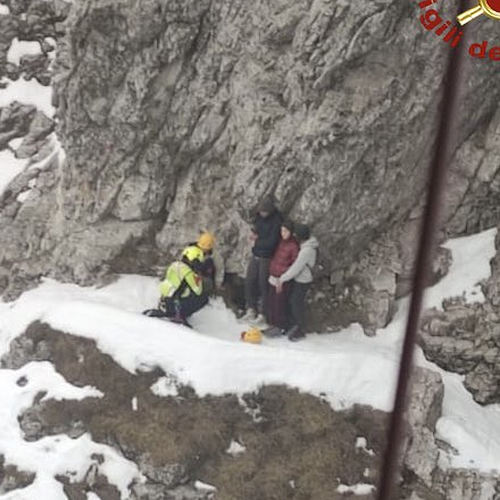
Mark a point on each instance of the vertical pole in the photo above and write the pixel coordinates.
(430, 225)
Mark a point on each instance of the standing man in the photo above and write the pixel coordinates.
(265, 236)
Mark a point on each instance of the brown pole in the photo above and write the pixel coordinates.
(430, 225)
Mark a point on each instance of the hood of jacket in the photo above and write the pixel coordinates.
(312, 243)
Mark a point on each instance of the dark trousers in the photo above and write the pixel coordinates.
(298, 304)
(208, 274)
(187, 306)
(256, 284)
(278, 308)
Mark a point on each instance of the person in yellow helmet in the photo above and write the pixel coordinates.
(212, 272)
(181, 290)
(206, 242)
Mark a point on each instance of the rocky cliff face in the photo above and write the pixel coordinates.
(465, 338)
(178, 116)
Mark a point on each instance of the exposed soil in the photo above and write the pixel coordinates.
(297, 448)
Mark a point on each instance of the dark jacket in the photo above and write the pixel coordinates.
(284, 257)
(207, 271)
(268, 234)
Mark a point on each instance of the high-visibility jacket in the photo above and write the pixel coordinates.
(180, 281)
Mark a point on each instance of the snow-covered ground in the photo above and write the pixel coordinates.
(18, 49)
(28, 92)
(345, 368)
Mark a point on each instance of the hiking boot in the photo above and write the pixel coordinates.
(250, 315)
(273, 332)
(154, 313)
(294, 333)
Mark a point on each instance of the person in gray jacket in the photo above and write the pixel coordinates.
(301, 274)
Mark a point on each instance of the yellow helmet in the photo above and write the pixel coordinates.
(206, 241)
(252, 335)
(193, 253)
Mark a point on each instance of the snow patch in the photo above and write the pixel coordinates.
(19, 49)
(24, 195)
(15, 143)
(235, 448)
(30, 93)
(165, 386)
(471, 265)
(199, 485)
(361, 444)
(4, 10)
(253, 412)
(357, 489)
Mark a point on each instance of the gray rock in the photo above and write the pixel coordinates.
(188, 493)
(22, 350)
(465, 338)
(466, 484)
(426, 479)
(148, 491)
(151, 491)
(8, 29)
(422, 455)
(426, 400)
(424, 409)
(12, 71)
(15, 121)
(40, 20)
(31, 425)
(39, 130)
(169, 476)
(36, 66)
